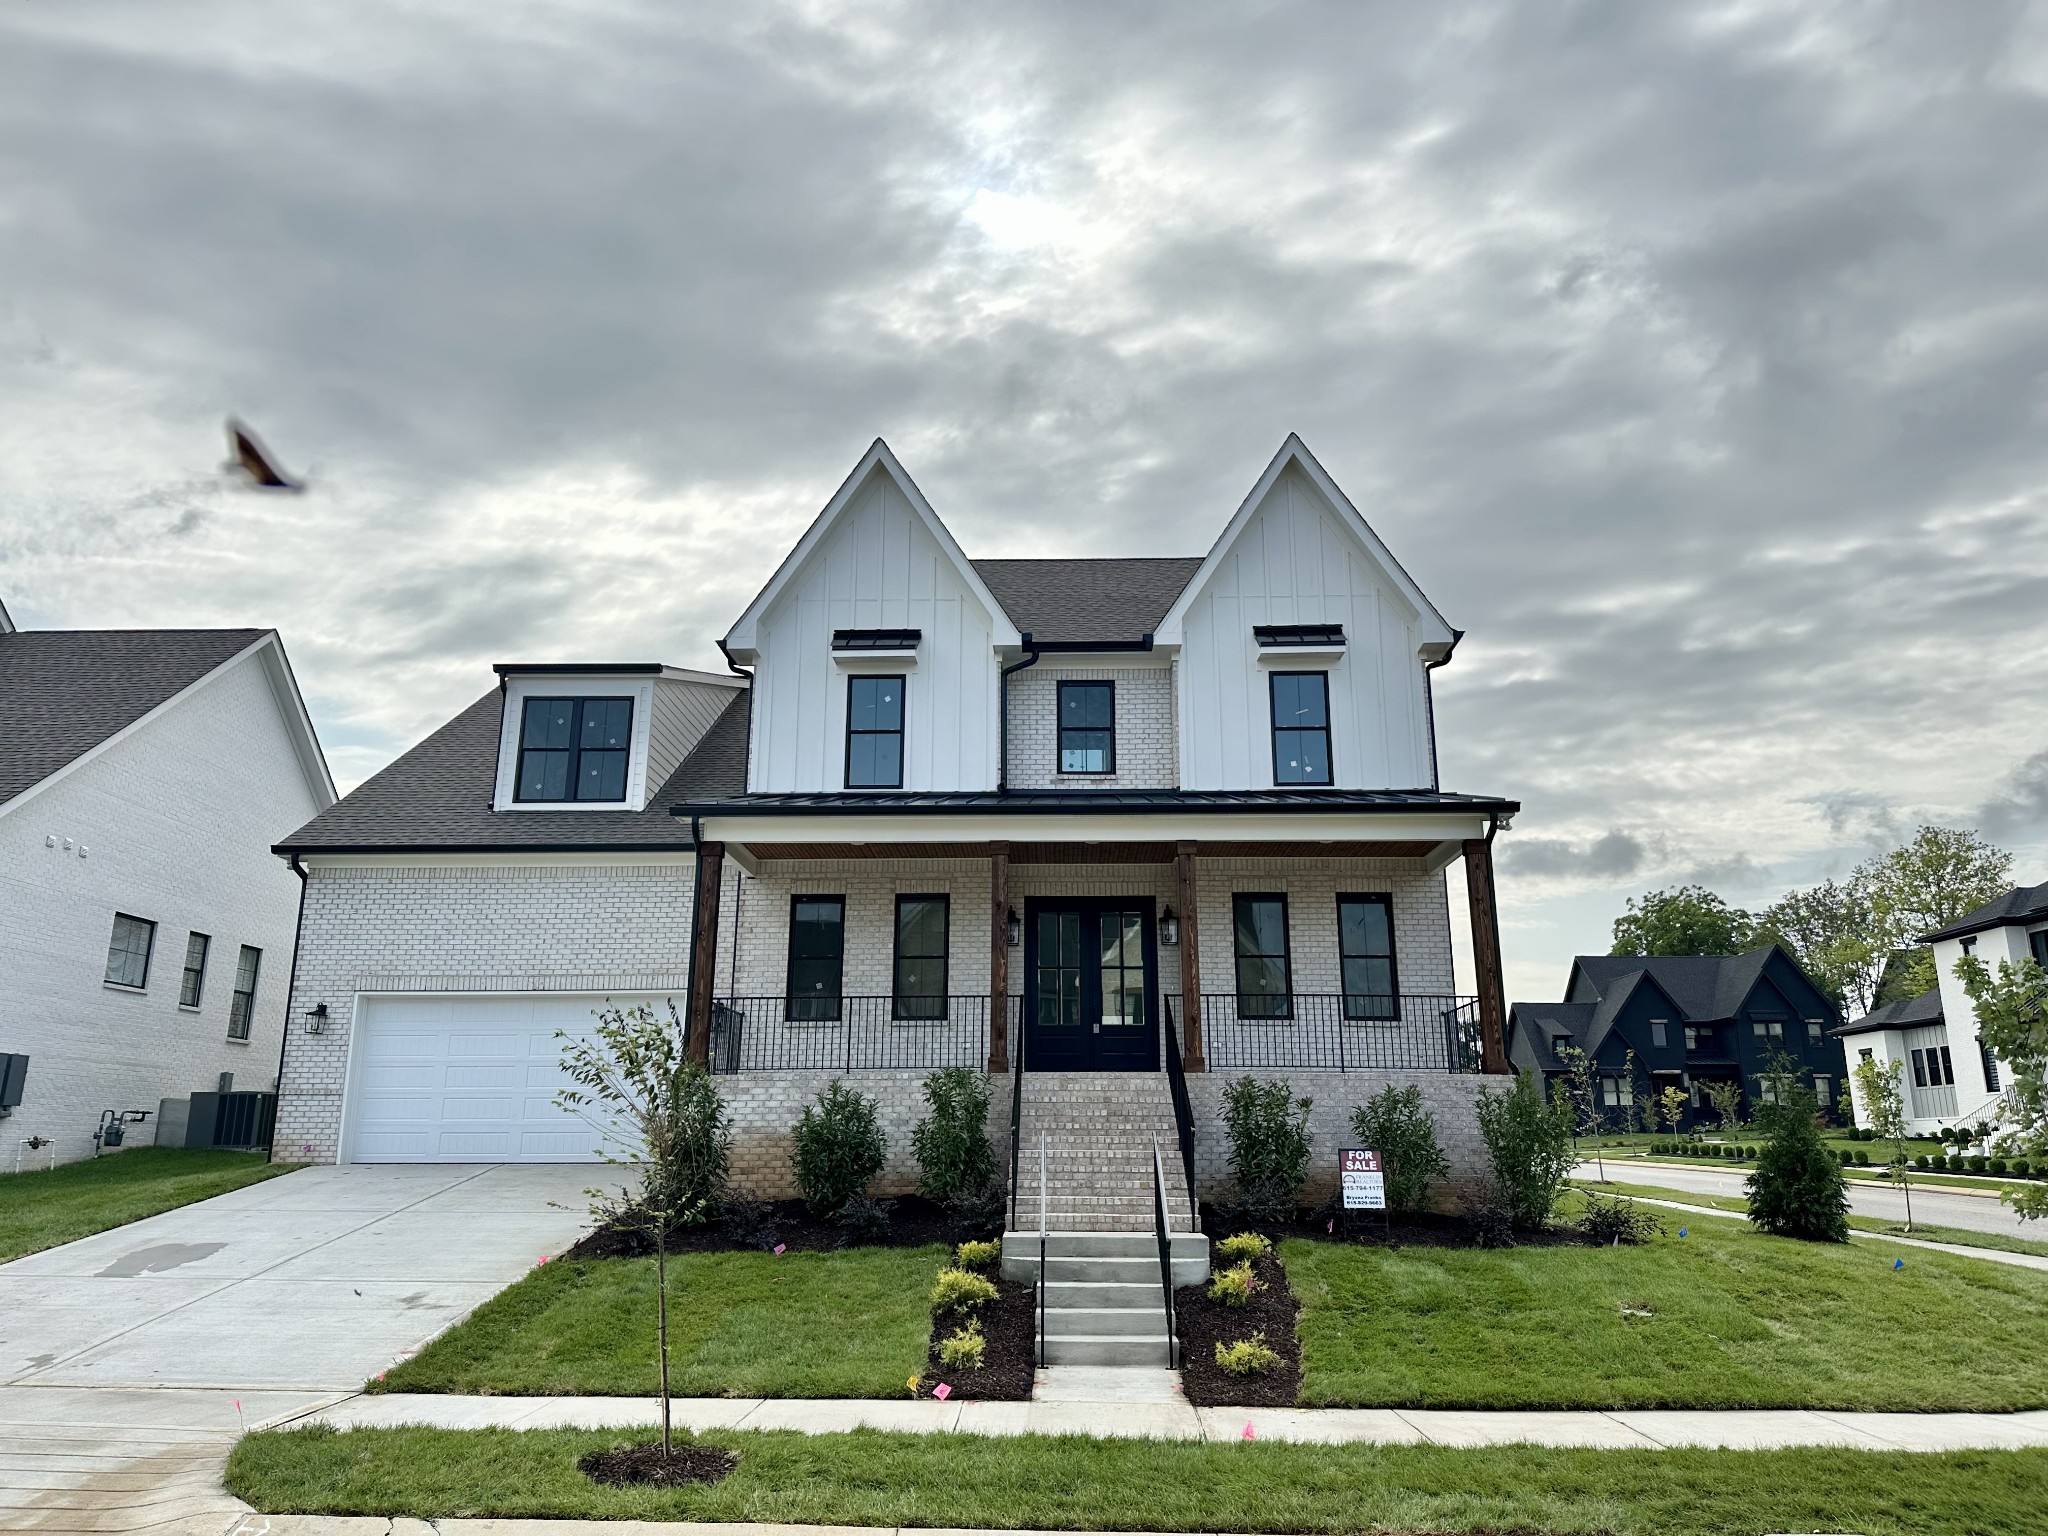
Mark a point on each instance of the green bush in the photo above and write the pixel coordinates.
(1846, 1156)
(1977, 1165)
(1862, 1159)
(978, 1255)
(1997, 1166)
(1920, 1162)
(1233, 1287)
(1243, 1248)
(1529, 1145)
(2022, 1168)
(1609, 1221)
(954, 1157)
(1248, 1357)
(1797, 1189)
(1269, 1148)
(956, 1289)
(838, 1148)
(963, 1348)
(1395, 1123)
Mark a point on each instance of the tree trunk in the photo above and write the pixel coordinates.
(661, 1321)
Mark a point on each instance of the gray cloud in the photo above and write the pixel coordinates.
(2019, 813)
(1611, 856)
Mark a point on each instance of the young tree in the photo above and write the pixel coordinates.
(1671, 1107)
(1529, 1145)
(1725, 1095)
(2012, 1019)
(1582, 1089)
(1690, 920)
(1395, 1123)
(1884, 1106)
(1797, 1189)
(1635, 1103)
(1269, 1145)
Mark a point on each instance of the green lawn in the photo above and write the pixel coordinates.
(849, 1324)
(1748, 1135)
(43, 1208)
(1072, 1483)
(1723, 1318)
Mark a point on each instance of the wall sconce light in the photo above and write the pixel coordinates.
(1013, 929)
(316, 1019)
(1169, 928)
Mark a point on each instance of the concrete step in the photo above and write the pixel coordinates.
(1107, 1322)
(1063, 1294)
(1140, 1350)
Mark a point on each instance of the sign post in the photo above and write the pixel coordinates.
(1365, 1182)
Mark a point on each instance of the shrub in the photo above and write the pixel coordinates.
(957, 1290)
(1977, 1164)
(1233, 1287)
(964, 1348)
(978, 1255)
(2022, 1168)
(1492, 1223)
(1529, 1144)
(864, 1222)
(839, 1148)
(1920, 1162)
(750, 1222)
(1797, 1189)
(1862, 1159)
(954, 1157)
(1749, 1153)
(1617, 1220)
(1395, 1123)
(1244, 1247)
(1269, 1148)
(1997, 1166)
(1248, 1357)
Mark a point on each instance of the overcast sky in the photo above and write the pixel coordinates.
(1690, 357)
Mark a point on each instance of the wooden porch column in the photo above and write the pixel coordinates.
(704, 949)
(1191, 1058)
(1486, 955)
(999, 958)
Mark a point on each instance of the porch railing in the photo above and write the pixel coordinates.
(1341, 1032)
(849, 1034)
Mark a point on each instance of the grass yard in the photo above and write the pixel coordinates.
(1072, 1483)
(43, 1208)
(1723, 1318)
(848, 1324)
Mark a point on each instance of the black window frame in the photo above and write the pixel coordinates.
(192, 980)
(1272, 1006)
(575, 750)
(1990, 1064)
(1329, 778)
(148, 951)
(1660, 1034)
(242, 1005)
(1769, 1030)
(2037, 941)
(1384, 900)
(1816, 1032)
(935, 1010)
(1060, 728)
(902, 681)
(790, 995)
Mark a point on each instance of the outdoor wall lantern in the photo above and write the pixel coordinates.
(1169, 928)
(1013, 929)
(316, 1018)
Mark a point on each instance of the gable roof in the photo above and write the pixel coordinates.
(2022, 904)
(66, 692)
(1537, 1027)
(1439, 639)
(1906, 1013)
(877, 460)
(1706, 988)
(1069, 602)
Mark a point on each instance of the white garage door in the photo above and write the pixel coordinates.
(467, 1080)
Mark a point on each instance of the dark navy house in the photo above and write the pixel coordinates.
(1690, 1020)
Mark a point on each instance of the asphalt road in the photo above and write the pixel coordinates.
(1932, 1205)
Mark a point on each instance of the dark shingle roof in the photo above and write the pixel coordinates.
(716, 768)
(64, 691)
(1539, 1024)
(2023, 904)
(1064, 601)
(1705, 987)
(1906, 1013)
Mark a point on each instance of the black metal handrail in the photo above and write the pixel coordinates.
(848, 1034)
(1162, 1228)
(1183, 1109)
(1041, 1246)
(1016, 1115)
(1342, 1032)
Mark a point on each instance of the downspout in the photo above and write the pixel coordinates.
(291, 995)
(1429, 708)
(731, 665)
(696, 883)
(1003, 709)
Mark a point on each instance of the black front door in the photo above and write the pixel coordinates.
(1090, 1002)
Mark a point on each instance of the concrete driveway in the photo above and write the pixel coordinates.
(314, 1281)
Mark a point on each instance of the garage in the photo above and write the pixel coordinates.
(467, 1079)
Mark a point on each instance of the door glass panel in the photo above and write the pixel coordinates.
(1059, 970)
(1123, 970)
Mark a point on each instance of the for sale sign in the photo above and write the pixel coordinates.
(1365, 1180)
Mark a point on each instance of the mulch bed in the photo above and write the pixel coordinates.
(1010, 1324)
(1426, 1229)
(914, 1222)
(1204, 1324)
(644, 1465)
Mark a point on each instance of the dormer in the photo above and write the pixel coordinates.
(600, 736)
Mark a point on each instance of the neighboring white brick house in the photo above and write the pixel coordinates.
(143, 774)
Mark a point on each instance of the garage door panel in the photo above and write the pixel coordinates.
(498, 1075)
(420, 1078)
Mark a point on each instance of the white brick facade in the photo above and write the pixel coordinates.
(1147, 739)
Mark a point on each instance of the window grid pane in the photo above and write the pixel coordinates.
(874, 732)
(243, 1006)
(1087, 726)
(1301, 728)
(1365, 946)
(921, 948)
(128, 950)
(194, 981)
(1263, 982)
(817, 950)
(574, 750)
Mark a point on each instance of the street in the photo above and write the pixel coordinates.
(1932, 1205)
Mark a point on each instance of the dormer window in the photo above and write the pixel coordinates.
(1087, 726)
(1301, 728)
(874, 732)
(574, 750)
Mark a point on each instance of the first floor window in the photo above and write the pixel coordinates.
(1087, 727)
(194, 981)
(1617, 1092)
(2038, 942)
(1264, 982)
(1301, 727)
(243, 1007)
(1767, 1090)
(921, 923)
(1824, 1090)
(574, 749)
(128, 950)
(874, 732)
(1365, 952)
(817, 956)
(1931, 1068)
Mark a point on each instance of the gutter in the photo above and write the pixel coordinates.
(1429, 705)
(732, 666)
(291, 996)
(1032, 652)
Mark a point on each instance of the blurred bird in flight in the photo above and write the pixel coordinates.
(255, 461)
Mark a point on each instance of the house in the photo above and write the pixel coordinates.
(1687, 1021)
(145, 929)
(1950, 1078)
(1112, 831)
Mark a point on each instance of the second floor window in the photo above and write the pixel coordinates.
(1301, 727)
(874, 733)
(1659, 1033)
(2038, 942)
(920, 989)
(817, 956)
(1772, 1030)
(574, 749)
(1087, 727)
(243, 1007)
(1365, 948)
(194, 982)
(1264, 984)
(128, 950)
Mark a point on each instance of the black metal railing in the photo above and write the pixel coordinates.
(1041, 1246)
(1183, 1109)
(1162, 1226)
(848, 1034)
(1016, 1115)
(1341, 1032)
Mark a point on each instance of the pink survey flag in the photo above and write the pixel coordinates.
(1248, 1435)
(942, 1391)
(780, 1246)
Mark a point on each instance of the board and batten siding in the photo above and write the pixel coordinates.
(1292, 563)
(880, 568)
